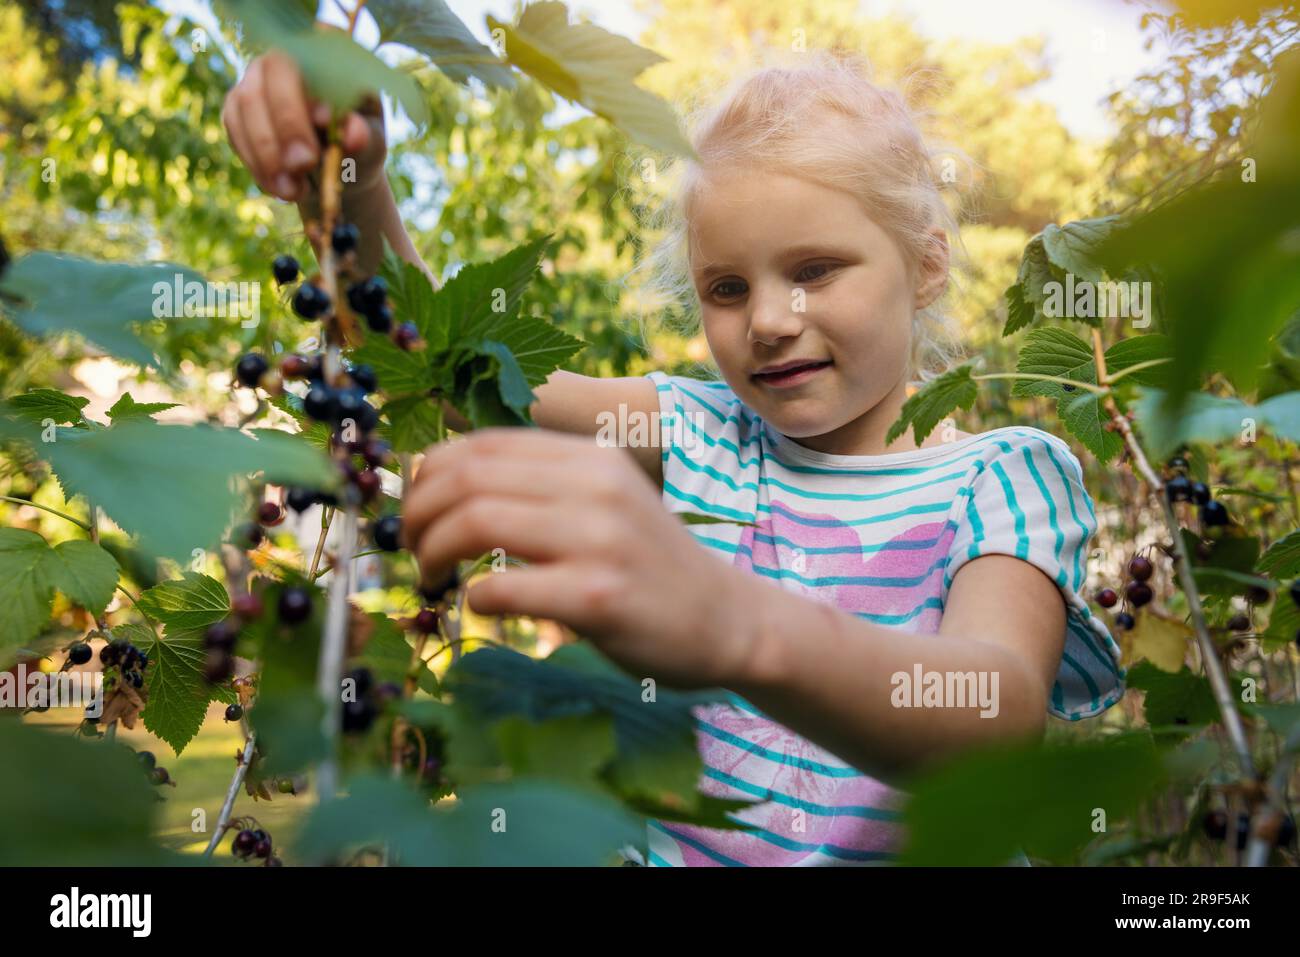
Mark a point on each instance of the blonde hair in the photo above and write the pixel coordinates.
(774, 118)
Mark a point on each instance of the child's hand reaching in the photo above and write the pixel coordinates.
(273, 126)
(605, 557)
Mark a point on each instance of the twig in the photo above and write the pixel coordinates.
(231, 793)
(333, 645)
(1074, 383)
(326, 518)
(45, 508)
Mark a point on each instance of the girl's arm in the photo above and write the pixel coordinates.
(827, 674)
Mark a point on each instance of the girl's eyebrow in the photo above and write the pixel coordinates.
(801, 251)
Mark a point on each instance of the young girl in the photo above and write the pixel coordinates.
(874, 607)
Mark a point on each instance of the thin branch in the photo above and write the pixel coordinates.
(45, 508)
(1086, 386)
(231, 794)
(1136, 367)
(332, 649)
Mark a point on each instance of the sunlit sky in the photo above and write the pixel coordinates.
(1094, 45)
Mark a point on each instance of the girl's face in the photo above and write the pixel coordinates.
(807, 307)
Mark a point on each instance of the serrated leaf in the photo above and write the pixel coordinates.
(570, 748)
(42, 404)
(188, 603)
(388, 655)
(1025, 306)
(1137, 350)
(1019, 312)
(430, 27)
(24, 592)
(588, 65)
(490, 387)
(413, 423)
(1283, 625)
(1212, 419)
(315, 434)
(127, 408)
(1282, 560)
(1174, 699)
(1158, 640)
(178, 693)
(953, 390)
(1073, 247)
(85, 572)
(100, 301)
(1050, 350)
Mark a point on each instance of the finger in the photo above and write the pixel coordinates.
(262, 139)
(356, 133)
(539, 444)
(535, 481)
(287, 104)
(524, 530)
(578, 595)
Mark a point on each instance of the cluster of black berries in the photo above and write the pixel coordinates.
(220, 638)
(253, 842)
(250, 534)
(360, 713)
(127, 657)
(157, 775)
(1180, 488)
(1136, 593)
(1215, 825)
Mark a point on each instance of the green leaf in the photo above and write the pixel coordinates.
(1136, 350)
(178, 692)
(430, 27)
(127, 408)
(41, 404)
(1019, 312)
(335, 67)
(388, 655)
(101, 301)
(1025, 303)
(700, 518)
(490, 387)
(413, 423)
(83, 571)
(193, 466)
(1050, 350)
(1212, 419)
(1283, 625)
(923, 411)
(191, 602)
(981, 808)
(570, 748)
(316, 434)
(1170, 697)
(1282, 560)
(1073, 247)
(50, 784)
(585, 64)
(526, 824)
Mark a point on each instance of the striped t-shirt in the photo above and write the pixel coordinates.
(881, 537)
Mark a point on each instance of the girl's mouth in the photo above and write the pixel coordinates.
(791, 375)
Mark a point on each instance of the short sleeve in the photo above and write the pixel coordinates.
(1028, 500)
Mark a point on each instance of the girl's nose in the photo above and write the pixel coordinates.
(773, 316)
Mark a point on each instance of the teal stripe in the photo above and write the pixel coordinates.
(900, 619)
(1051, 513)
(919, 544)
(778, 509)
(775, 756)
(658, 861)
(872, 581)
(707, 507)
(690, 842)
(830, 850)
(822, 810)
(1009, 493)
(1088, 638)
(1087, 678)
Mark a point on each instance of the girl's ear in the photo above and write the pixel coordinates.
(932, 277)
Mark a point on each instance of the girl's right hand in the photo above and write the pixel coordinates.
(273, 127)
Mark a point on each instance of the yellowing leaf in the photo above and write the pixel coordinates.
(1159, 640)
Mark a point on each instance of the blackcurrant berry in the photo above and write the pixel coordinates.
(357, 715)
(368, 294)
(234, 712)
(1107, 598)
(285, 269)
(426, 622)
(1215, 825)
(260, 835)
(294, 366)
(1178, 489)
(218, 666)
(315, 369)
(1140, 567)
(1243, 830)
(248, 535)
(347, 405)
(247, 606)
(380, 319)
(435, 593)
(363, 679)
(1138, 594)
(136, 679)
(1239, 623)
(1178, 464)
(1213, 513)
(147, 759)
(130, 656)
(111, 653)
(243, 843)
(344, 238)
(262, 849)
(1295, 591)
(270, 513)
(1258, 595)
(387, 533)
(320, 403)
(250, 368)
(81, 652)
(300, 499)
(364, 378)
(160, 776)
(311, 301)
(1200, 493)
(1124, 621)
(295, 605)
(388, 691)
(221, 636)
(376, 452)
(273, 861)
(406, 335)
(368, 484)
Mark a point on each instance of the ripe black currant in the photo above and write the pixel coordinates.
(1215, 825)
(160, 776)
(247, 606)
(344, 238)
(136, 679)
(1178, 464)
(1213, 513)
(273, 861)
(376, 452)
(243, 843)
(250, 368)
(1107, 598)
(218, 665)
(234, 712)
(1140, 567)
(285, 269)
(1200, 493)
(435, 593)
(295, 605)
(426, 621)
(347, 405)
(262, 848)
(247, 535)
(1178, 489)
(222, 636)
(363, 680)
(80, 653)
(1258, 595)
(320, 403)
(367, 295)
(146, 759)
(1138, 593)
(1124, 621)
(311, 301)
(270, 513)
(1239, 623)
(380, 319)
(406, 335)
(300, 499)
(111, 653)
(368, 484)
(388, 533)
(364, 378)
(357, 715)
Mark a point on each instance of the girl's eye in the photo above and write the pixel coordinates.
(728, 289)
(814, 272)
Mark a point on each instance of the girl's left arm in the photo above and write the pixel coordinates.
(607, 559)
